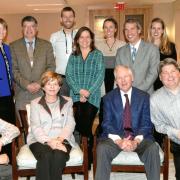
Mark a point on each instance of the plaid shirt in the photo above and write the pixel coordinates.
(86, 74)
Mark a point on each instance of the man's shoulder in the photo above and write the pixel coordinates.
(43, 41)
(148, 45)
(138, 93)
(158, 93)
(111, 94)
(16, 42)
(56, 34)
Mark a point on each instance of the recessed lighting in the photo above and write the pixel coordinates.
(46, 4)
(47, 9)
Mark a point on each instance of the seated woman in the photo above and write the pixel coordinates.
(52, 125)
(8, 133)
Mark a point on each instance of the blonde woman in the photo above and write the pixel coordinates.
(158, 36)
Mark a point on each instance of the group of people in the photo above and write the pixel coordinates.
(74, 64)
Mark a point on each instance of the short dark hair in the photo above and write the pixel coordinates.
(4, 23)
(29, 19)
(67, 9)
(77, 50)
(110, 19)
(168, 61)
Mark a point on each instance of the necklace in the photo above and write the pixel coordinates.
(110, 47)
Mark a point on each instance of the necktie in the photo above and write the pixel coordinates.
(127, 119)
(133, 53)
(7, 67)
(30, 53)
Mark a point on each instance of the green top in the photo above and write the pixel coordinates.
(86, 74)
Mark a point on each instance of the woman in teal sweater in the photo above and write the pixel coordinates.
(84, 75)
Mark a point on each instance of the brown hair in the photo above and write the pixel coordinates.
(133, 21)
(77, 50)
(168, 61)
(165, 46)
(67, 9)
(114, 22)
(4, 23)
(29, 19)
(49, 76)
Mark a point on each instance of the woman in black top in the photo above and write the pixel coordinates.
(158, 36)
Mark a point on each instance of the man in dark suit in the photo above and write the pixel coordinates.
(31, 57)
(142, 57)
(117, 136)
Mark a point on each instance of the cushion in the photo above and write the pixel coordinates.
(26, 160)
(131, 158)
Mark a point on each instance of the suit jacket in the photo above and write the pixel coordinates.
(5, 89)
(145, 66)
(44, 127)
(140, 114)
(24, 74)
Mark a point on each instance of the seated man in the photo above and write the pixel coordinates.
(165, 107)
(8, 133)
(126, 127)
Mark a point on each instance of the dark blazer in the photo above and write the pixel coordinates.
(23, 73)
(5, 89)
(140, 112)
(145, 66)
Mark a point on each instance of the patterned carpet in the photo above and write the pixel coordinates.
(122, 176)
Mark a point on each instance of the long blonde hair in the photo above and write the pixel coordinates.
(165, 45)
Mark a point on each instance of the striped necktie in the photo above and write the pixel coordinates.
(127, 119)
(133, 53)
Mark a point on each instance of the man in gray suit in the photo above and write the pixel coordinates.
(31, 57)
(142, 57)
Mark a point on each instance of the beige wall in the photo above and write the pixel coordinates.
(49, 23)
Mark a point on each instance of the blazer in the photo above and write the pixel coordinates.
(140, 114)
(41, 121)
(24, 74)
(4, 82)
(145, 66)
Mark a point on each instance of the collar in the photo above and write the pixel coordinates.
(27, 40)
(136, 45)
(42, 102)
(129, 92)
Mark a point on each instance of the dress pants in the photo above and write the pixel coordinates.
(84, 117)
(50, 163)
(175, 149)
(147, 150)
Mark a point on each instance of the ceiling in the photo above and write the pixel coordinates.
(47, 6)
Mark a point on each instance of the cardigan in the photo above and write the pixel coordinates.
(86, 74)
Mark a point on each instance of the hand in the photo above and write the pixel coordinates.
(33, 87)
(61, 147)
(4, 159)
(52, 143)
(84, 93)
(83, 99)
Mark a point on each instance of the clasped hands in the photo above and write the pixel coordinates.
(126, 144)
(56, 143)
(84, 94)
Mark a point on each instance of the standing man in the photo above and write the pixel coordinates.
(141, 57)
(31, 57)
(62, 42)
(126, 127)
(165, 106)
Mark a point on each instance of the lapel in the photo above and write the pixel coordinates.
(118, 103)
(140, 53)
(134, 101)
(128, 55)
(36, 50)
(23, 49)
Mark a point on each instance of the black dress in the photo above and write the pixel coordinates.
(158, 84)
